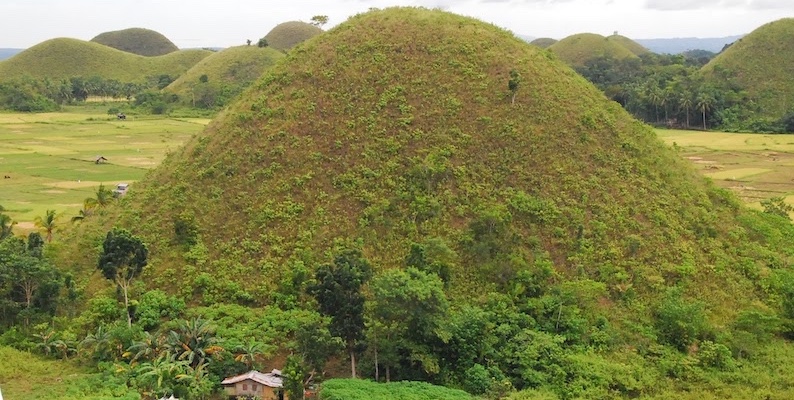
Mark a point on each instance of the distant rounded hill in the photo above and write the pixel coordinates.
(632, 46)
(543, 43)
(65, 58)
(577, 50)
(236, 66)
(140, 41)
(761, 64)
(287, 35)
(412, 126)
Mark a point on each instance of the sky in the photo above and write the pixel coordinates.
(223, 23)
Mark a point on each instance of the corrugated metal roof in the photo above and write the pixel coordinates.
(271, 379)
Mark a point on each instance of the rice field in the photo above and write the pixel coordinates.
(49, 161)
(755, 166)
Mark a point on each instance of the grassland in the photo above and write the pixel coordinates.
(577, 50)
(64, 58)
(50, 157)
(287, 35)
(754, 166)
(760, 63)
(357, 389)
(143, 42)
(32, 377)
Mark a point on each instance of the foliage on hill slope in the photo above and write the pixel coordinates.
(760, 63)
(383, 134)
(577, 50)
(543, 42)
(140, 41)
(27, 376)
(287, 35)
(231, 70)
(634, 47)
(64, 58)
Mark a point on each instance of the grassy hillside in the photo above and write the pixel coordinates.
(31, 377)
(287, 35)
(760, 63)
(577, 49)
(66, 58)
(381, 133)
(543, 42)
(140, 41)
(634, 47)
(234, 67)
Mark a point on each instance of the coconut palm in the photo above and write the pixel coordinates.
(192, 341)
(104, 196)
(249, 353)
(705, 102)
(685, 102)
(47, 223)
(88, 208)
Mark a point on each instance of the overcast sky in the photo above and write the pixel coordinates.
(222, 23)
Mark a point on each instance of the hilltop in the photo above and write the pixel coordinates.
(634, 47)
(543, 42)
(140, 41)
(335, 144)
(577, 50)
(760, 64)
(65, 58)
(228, 72)
(287, 35)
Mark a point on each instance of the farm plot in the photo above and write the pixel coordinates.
(755, 166)
(49, 161)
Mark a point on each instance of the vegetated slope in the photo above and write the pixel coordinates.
(287, 35)
(634, 47)
(27, 376)
(543, 43)
(761, 64)
(140, 41)
(577, 50)
(234, 66)
(66, 58)
(398, 126)
(358, 389)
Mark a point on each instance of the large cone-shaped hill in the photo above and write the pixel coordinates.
(543, 43)
(65, 58)
(577, 50)
(289, 34)
(140, 41)
(398, 126)
(233, 68)
(761, 64)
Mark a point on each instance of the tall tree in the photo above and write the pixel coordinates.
(122, 260)
(338, 294)
(47, 223)
(705, 102)
(319, 20)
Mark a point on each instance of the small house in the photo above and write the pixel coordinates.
(121, 189)
(256, 384)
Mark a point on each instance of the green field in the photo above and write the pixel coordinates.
(50, 158)
(755, 166)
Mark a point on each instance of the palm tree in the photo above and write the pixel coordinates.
(47, 223)
(192, 341)
(88, 208)
(249, 352)
(6, 226)
(161, 374)
(685, 102)
(103, 196)
(705, 102)
(46, 342)
(100, 344)
(148, 348)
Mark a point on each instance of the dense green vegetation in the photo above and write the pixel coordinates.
(219, 78)
(759, 64)
(287, 35)
(347, 389)
(423, 197)
(745, 88)
(140, 41)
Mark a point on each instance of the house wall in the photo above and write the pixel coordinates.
(262, 391)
